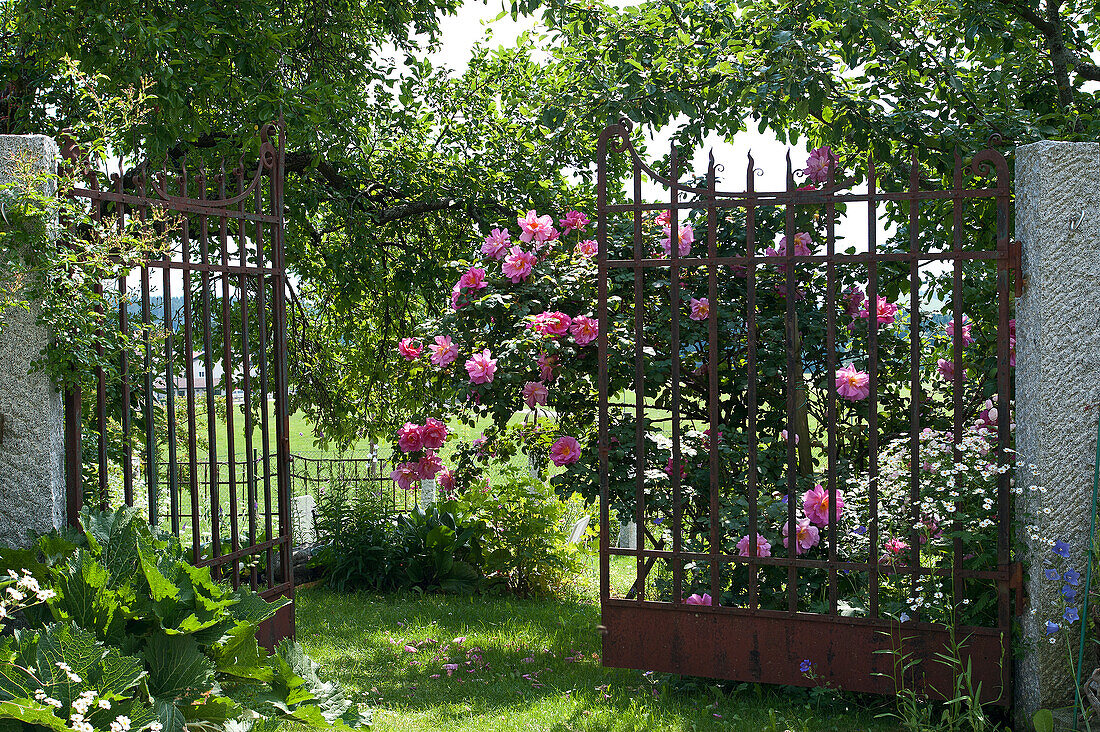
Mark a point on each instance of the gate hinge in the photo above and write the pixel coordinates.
(1016, 266)
(1016, 584)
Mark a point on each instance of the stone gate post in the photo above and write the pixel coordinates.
(32, 478)
(1057, 397)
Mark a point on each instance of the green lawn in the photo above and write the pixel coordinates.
(528, 665)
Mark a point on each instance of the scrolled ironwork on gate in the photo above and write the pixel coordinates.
(191, 425)
(805, 419)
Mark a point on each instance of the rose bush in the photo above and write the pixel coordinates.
(524, 321)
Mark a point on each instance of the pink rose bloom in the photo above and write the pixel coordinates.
(456, 295)
(405, 475)
(947, 369)
(446, 479)
(444, 352)
(783, 434)
(700, 309)
(433, 434)
(518, 264)
(550, 323)
(815, 503)
(988, 416)
(668, 469)
(473, 279)
(684, 240)
(565, 451)
(806, 535)
(584, 329)
(851, 384)
(587, 248)
(853, 298)
(966, 338)
(802, 243)
(536, 228)
(409, 437)
(664, 218)
(703, 599)
(887, 312)
(546, 366)
(409, 348)
(763, 546)
(429, 466)
(535, 392)
(481, 367)
(574, 221)
(819, 162)
(496, 244)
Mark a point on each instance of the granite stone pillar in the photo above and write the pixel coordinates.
(32, 479)
(1057, 393)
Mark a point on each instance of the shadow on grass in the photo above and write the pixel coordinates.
(523, 665)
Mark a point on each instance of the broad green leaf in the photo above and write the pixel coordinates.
(30, 712)
(177, 668)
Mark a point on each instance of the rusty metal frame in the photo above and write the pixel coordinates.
(751, 643)
(212, 213)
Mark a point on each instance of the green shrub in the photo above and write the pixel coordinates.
(358, 542)
(434, 549)
(142, 630)
(527, 533)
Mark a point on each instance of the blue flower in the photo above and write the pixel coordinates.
(861, 530)
(1071, 615)
(1069, 593)
(805, 666)
(1052, 628)
(1061, 548)
(904, 617)
(1051, 574)
(658, 521)
(1073, 577)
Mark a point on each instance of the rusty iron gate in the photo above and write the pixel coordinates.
(207, 324)
(809, 400)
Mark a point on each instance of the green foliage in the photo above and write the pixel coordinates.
(437, 549)
(136, 621)
(526, 544)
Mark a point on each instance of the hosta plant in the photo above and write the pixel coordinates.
(123, 619)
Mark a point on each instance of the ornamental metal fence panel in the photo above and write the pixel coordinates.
(752, 390)
(191, 424)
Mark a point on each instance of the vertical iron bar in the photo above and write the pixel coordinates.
(189, 358)
(152, 489)
(211, 406)
(712, 385)
(124, 368)
(265, 420)
(227, 379)
(74, 483)
(957, 381)
(602, 314)
(914, 378)
(282, 410)
(790, 320)
(830, 379)
(170, 383)
(674, 303)
(639, 387)
(246, 368)
(1005, 418)
(750, 329)
(872, 369)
